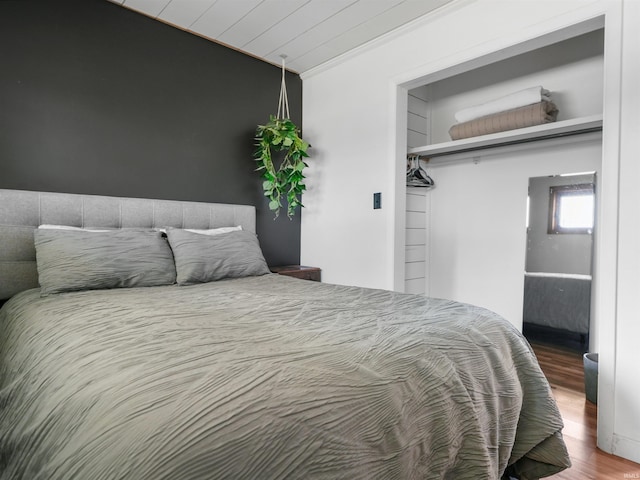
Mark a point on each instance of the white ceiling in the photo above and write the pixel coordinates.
(308, 32)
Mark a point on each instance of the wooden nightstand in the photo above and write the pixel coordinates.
(298, 271)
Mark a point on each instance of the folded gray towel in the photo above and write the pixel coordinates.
(528, 116)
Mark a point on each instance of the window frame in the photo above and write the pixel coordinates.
(556, 192)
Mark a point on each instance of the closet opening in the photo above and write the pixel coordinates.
(468, 233)
(465, 236)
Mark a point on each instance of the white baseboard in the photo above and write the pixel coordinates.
(627, 448)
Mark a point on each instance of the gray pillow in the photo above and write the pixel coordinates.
(82, 260)
(203, 258)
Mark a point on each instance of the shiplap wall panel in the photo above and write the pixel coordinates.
(415, 253)
(185, 12)
(221, 16)
(415, 200)
(416, 241)
(308, 32)
(414, 271)
(415, 285)
(417, 123)
(417, 105)
(315, 15)
(417, 219)
(259, 20)
(415, 139)
(148, 7)
(417, 119)
(416, 236)
(416, 209)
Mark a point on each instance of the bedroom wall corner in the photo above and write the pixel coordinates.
(99, 99)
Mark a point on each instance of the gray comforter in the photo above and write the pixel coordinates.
(267, 378)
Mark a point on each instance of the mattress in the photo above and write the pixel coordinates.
(268, 377)
(558, 300)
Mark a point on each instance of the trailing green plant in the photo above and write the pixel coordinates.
(282, 176)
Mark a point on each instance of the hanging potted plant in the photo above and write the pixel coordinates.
(283, 175)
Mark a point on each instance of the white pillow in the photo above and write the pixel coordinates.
(214, 231)
(210, 232)
(46, 226)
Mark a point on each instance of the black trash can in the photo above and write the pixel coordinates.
(590, 361)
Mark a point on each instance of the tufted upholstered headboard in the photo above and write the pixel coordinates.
(22, 211)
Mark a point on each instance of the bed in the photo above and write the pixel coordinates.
(557, 308)
(247, 376)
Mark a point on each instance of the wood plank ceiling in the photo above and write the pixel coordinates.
(308, 32)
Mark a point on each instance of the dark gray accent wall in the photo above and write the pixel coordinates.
(98, 99)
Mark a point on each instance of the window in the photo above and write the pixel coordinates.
(571, 208)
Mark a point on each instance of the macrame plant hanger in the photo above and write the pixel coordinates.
(283, 101)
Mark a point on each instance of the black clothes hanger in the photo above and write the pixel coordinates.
(416, 175)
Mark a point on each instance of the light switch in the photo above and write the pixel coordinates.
(377, 200)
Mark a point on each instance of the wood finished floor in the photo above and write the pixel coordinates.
(564, 371)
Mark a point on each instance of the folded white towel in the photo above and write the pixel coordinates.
(522, 98)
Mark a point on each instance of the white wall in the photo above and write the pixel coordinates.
(626, 387)
(352, 109)
(347, 125)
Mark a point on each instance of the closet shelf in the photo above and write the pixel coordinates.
(562, 128)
